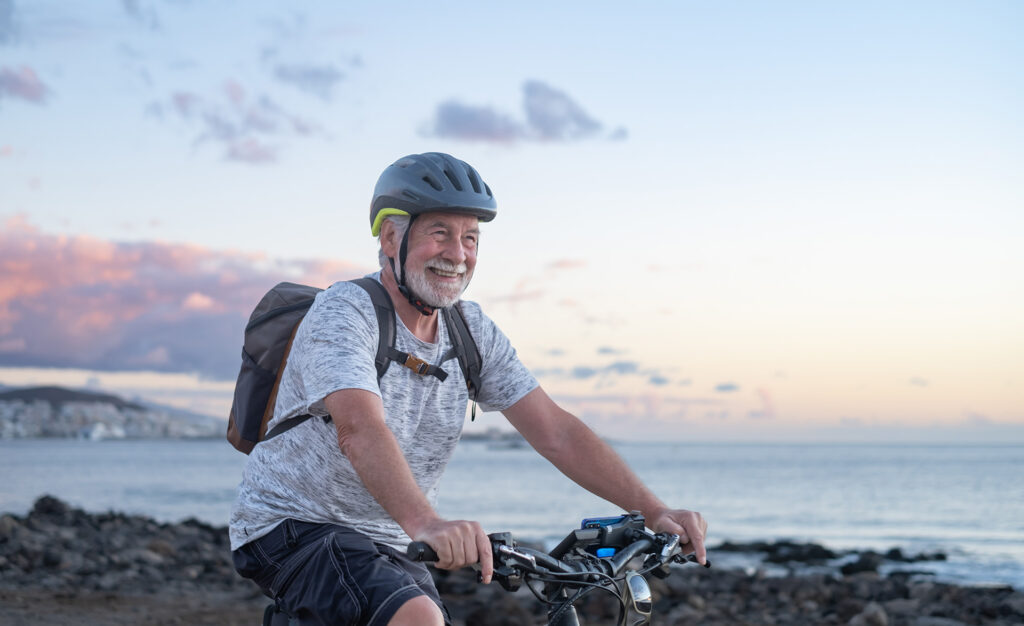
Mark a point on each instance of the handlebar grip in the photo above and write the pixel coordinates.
(419, 551)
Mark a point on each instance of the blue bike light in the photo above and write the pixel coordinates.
(605, 552)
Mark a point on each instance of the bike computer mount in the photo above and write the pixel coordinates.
(602, 536)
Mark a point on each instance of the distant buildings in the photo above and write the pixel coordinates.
(106, 418)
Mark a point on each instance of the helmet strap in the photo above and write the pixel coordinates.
(403, 253)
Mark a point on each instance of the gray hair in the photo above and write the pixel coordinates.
(401, 223)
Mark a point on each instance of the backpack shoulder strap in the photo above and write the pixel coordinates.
(465, 347)
(386, 351)
(385, 310)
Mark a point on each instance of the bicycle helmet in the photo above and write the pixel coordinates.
(434, 181)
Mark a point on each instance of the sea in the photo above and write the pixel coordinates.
(965, 501)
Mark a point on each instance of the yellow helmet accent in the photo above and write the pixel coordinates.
(377, 221)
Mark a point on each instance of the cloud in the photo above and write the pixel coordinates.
(250, 150)
(726, 387)
(318, 80)
(241, 124)
(145, 15)
(605, 375)
(622, 368)
(608, 350)
(628, 408)
(22, 83)
(550, 115)
(554, 116)
(566, 264)
(455, 120)
(74, 301)
(583, 372)
(918, 382)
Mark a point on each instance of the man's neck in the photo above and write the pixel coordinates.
(423, 326)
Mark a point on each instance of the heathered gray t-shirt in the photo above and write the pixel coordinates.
(302, 474)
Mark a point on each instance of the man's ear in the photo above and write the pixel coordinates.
(387, 239)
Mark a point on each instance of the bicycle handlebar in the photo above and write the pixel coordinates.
(579, 556)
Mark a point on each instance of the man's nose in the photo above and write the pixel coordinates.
(455, 251)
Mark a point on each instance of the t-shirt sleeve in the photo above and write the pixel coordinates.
(335, 346)
(504, 380)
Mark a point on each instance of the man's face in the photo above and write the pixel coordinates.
(441, 257)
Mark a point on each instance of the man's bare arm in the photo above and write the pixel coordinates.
(367, 442)
(582, 456)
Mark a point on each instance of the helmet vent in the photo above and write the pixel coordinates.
(488, 188)
(433, 183)
(451, 178)
(473, 179)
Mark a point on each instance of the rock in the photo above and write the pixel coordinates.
(929, 620)
(922, 590)
(684, 616)
(48, 506)
(867, 562)
(162, 547)
(872, 615)
(903, 606)
(7, 527)
(847, 608)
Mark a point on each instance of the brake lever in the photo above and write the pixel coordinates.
(526, 559)
(690, 558)
(670, 547)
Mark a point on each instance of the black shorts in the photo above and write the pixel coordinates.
(330, 574)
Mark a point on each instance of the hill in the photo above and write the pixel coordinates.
(59, 396)
(52, 411)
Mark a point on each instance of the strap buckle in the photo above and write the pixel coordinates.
(417, 365)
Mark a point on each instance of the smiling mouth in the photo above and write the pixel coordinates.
(443, 273)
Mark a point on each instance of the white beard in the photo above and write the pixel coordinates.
(438, 295)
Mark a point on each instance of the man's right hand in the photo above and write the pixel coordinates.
(458, 543)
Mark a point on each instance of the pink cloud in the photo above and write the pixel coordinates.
(78, 301)
(566, 264)
(22, 83)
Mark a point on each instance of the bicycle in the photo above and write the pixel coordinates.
(611, 554)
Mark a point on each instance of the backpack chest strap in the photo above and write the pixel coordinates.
(418, 365)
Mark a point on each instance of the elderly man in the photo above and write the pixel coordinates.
(325, 510)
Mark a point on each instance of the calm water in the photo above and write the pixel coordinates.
(965, 501)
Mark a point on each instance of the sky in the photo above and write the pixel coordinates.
(717, 221)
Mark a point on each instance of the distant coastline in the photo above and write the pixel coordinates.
(58, 412)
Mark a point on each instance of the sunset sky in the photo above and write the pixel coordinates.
(734, 221)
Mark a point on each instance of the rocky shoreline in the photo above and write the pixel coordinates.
(60, 565)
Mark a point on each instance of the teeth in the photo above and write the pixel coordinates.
(440, 272)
